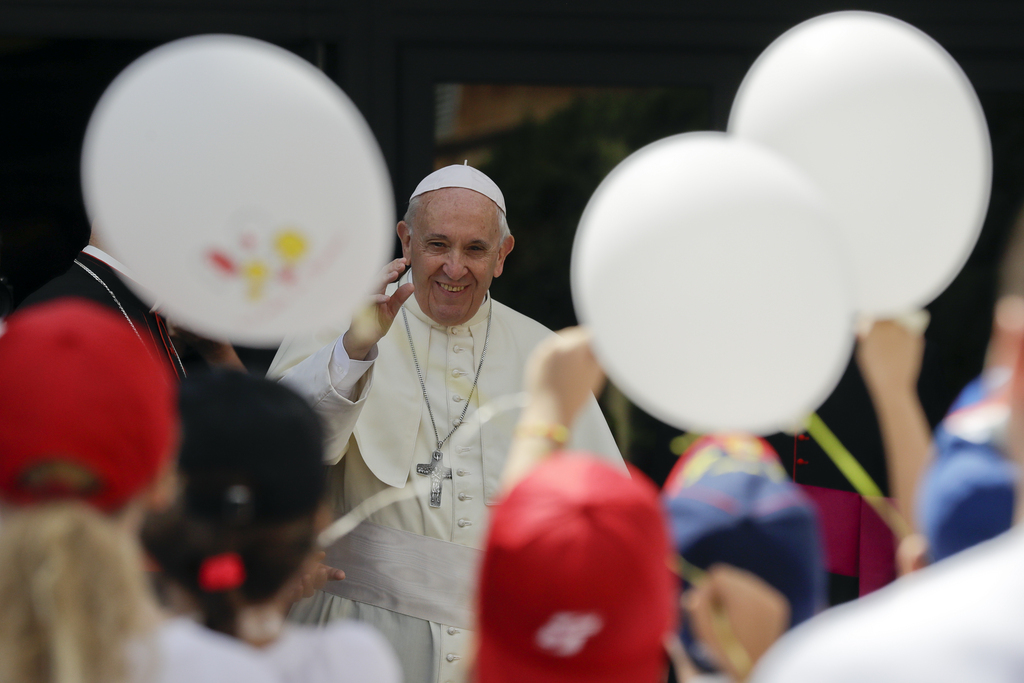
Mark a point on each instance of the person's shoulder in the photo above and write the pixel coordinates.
(521, 326)
(961, 466)
(507, 313)
(925, 626)
(109, 291)
(342, 651)
(368, 646)
(832, 646)
(965, 497)
(362, 638)
(72, 282)
(340, 632)
(190, 653)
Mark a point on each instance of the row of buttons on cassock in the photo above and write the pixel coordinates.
(451, 657)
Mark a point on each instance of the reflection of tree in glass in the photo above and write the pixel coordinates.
(547, 171)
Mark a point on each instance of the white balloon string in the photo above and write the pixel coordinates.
(495, 407)
(347, 523)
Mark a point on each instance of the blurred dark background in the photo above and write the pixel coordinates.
(545, 96)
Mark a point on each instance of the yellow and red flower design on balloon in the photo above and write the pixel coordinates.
(261, 263)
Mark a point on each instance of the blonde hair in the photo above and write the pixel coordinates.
(74, 595)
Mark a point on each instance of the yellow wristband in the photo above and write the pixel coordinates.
(556, 433)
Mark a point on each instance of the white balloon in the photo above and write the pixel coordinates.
(241, 187)
(888, 125)
(713, 283)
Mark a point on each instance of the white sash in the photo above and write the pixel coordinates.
(407, 573)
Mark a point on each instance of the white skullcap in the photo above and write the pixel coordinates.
(461, 176)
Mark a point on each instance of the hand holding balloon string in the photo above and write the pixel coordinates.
(372, 322)
(889, 354)
(313, 577)
(562, 374)
(737, 615)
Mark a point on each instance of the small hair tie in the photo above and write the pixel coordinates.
(222, 572)
(238, 504)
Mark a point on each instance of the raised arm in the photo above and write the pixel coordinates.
(371, 323)
(331, 369)
(889, 357)
(561, 376)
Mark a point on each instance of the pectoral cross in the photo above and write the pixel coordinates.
(437, 473)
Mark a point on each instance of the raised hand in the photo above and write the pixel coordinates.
(889, 356)
(372, 322)
(561, 375)
(755, 615)
(313, 576)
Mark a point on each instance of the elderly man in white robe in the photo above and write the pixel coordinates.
(400, 403)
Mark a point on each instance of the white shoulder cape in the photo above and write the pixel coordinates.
(392, 410)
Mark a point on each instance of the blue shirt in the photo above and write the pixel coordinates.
(967, 494)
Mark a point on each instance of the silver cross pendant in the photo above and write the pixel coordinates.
(437, 473)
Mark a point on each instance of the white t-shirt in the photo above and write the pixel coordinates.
(959, 620)
(182, 651)
(343, 651)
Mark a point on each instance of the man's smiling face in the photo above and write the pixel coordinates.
(454, 250)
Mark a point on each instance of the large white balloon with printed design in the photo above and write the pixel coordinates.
(240, 186)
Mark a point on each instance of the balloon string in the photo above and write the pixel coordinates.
(495, 407)
(347, 523)
(857, 476)
(682, 443)
(690, 573)
(731, 645)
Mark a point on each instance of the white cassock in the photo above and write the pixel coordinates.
(417, 588)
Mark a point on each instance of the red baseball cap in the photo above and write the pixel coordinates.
(575, 584)
(87, 408)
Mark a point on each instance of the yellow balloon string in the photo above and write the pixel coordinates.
(734, 650)
(690, 573)
(861, 482)
(857, 476)
(731, 645)
(681, 443)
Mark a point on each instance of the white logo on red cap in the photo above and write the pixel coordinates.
(566, 633)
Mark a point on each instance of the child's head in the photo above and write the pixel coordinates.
(87, 409)
(74, 594)
(729, 502)
(252, 484)
(575, 583)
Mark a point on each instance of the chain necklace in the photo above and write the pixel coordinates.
(124, 312)
(434, 469)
